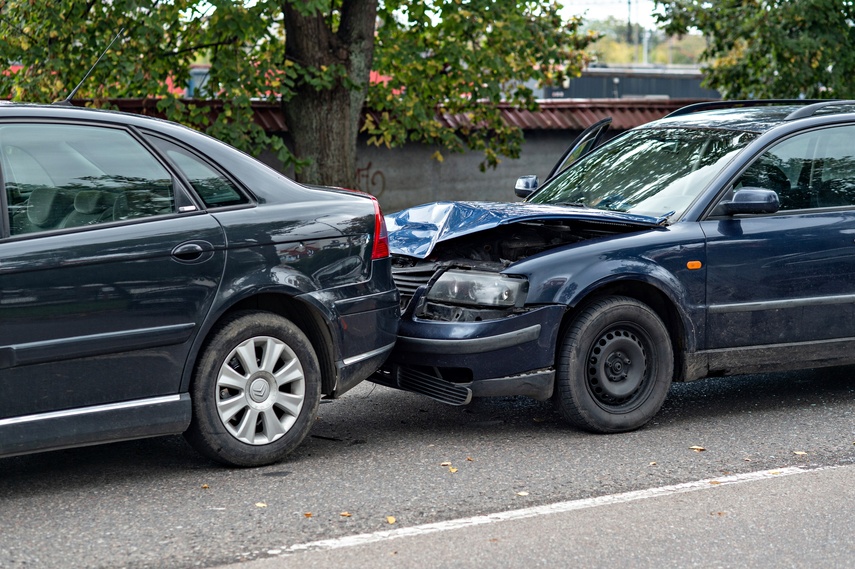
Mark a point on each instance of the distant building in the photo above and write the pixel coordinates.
(634, 82)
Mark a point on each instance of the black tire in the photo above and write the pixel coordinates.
(255, 390)
(614, 367)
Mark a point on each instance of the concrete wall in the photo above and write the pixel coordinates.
(407, 176)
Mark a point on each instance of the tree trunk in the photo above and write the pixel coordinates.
(324, 124)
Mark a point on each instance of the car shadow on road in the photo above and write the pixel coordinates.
(371, 416)
(720, 398)
(61, 470)
(404, 413)
(382, 414)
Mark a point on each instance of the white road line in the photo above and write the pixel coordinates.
(362, 539)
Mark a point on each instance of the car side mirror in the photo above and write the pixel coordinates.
(525, 186)
(752, 201)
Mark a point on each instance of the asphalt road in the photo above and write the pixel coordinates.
(782, 518)
(378, 453)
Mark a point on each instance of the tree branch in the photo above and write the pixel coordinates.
(88, 8)
(230, 41)
(17, 29)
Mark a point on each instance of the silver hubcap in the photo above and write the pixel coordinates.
(260, 390)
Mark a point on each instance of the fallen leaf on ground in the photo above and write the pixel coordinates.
(345, 514)
(523, 493)
(445, 464)
(652, 463)
(204, 486)
(469, 458)
(799, 452)
(697, 448)
(391, 519)
(260, 505)
(308, 514)
(452, 470)
(714, 482)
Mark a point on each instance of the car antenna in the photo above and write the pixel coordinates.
(67, 100)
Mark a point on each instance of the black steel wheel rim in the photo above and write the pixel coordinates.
(618, 372)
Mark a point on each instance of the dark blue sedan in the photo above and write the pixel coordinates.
(719, 240)
(154, 280)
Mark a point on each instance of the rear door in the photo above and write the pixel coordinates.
(107, 269)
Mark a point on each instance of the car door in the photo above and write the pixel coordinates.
(788, 278)
(107, 269)
(590, 138)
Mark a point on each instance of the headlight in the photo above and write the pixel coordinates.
(478, 289)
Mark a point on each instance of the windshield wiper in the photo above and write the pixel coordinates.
(570, 204)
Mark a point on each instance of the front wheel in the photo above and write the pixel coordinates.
(255, 390)
(614, 366)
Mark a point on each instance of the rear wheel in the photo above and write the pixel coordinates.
(615, 366)
(255, 390)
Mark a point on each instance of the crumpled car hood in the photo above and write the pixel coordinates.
(414, 232)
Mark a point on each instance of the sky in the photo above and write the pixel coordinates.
(640, 10)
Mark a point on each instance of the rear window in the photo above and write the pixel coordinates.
(213, 187)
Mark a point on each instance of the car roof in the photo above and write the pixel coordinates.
(66, 111)
(200, 140)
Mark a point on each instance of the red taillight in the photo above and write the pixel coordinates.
(381, 237)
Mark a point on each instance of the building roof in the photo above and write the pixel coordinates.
(579, 114)
(554, 114)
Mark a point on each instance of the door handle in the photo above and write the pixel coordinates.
(193, 252)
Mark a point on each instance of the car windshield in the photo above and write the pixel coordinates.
(647, 172)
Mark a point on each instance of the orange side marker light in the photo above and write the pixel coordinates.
(694, 265)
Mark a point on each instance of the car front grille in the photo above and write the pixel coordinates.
(433, 386)
(408, 279)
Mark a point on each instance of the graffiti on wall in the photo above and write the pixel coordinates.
(370, 180)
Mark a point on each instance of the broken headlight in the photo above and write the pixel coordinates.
(478, 289)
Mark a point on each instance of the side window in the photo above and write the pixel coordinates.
(834, 167)
(58, 176)
(213, 187)
(808, 171)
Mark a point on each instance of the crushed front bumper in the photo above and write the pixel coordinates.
(455, 361)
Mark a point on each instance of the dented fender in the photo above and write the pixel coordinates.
(658, 259)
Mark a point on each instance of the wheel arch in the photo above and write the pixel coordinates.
(651, 295)
(306, 317)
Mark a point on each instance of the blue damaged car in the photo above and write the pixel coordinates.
(718, 240)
